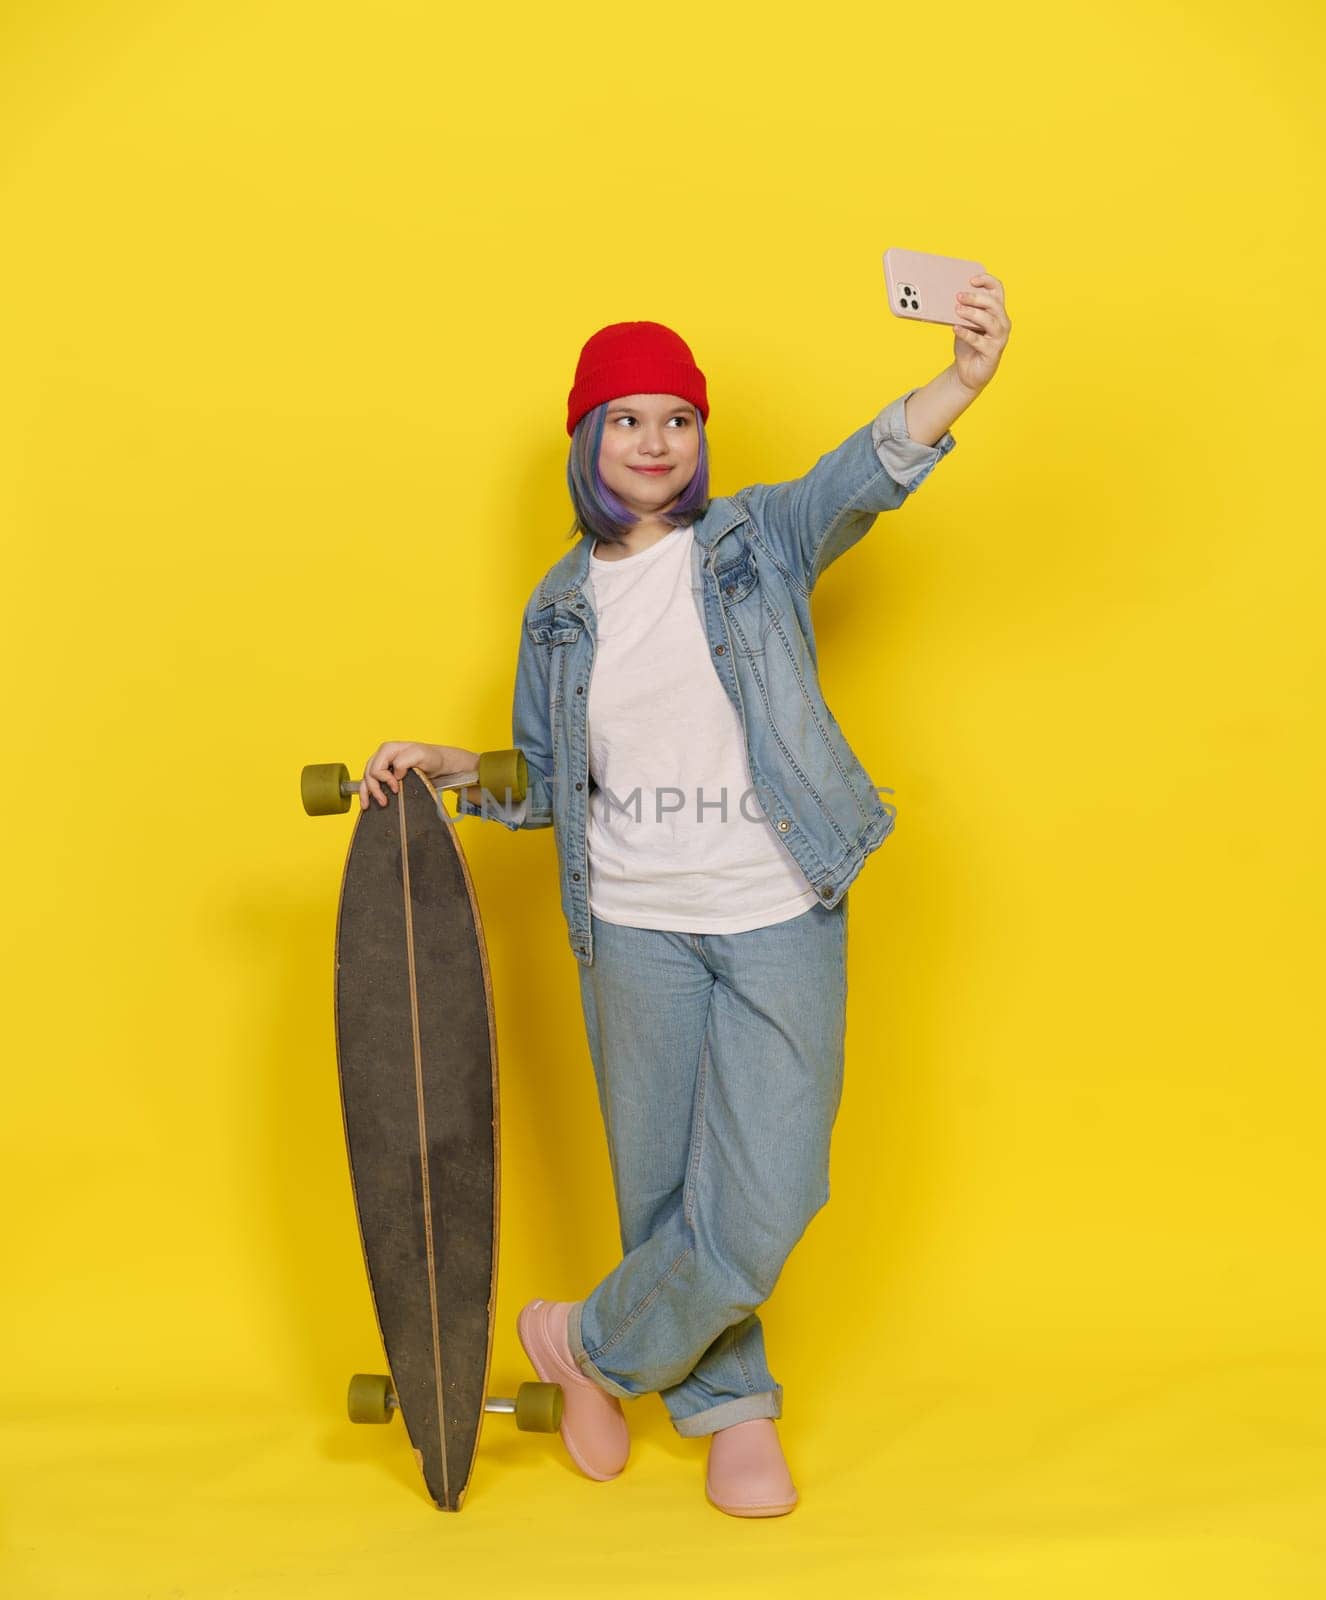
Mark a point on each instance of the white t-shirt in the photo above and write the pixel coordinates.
(668, 844)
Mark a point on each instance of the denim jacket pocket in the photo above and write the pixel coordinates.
(750, 612)
(552, 634)
(561, 628)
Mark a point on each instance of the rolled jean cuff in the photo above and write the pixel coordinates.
(769, 1403)
(581, 1360)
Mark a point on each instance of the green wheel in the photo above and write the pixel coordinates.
(368, 1400)
(500, 770)
(539, 1407)
(320, 790)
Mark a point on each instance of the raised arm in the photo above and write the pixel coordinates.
(808, 522)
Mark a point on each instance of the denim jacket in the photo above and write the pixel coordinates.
(757, 556)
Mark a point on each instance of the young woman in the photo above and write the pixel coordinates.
(709, 817)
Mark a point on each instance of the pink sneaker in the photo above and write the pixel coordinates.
(593, 1423)
(747, 1475)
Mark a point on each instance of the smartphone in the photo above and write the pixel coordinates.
(925, 287)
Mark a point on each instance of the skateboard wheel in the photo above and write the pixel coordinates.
(320, 790)
(370, 1397)
(500, 770)
(539, 1407)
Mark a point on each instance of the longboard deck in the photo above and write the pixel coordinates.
(417, 1052)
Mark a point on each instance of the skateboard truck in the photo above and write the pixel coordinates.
(537, 1406)
(326, 789)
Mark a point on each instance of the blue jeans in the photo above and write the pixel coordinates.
(719, 1063)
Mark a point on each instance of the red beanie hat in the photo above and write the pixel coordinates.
(634, 358)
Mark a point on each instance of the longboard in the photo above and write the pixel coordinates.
(416, 1047)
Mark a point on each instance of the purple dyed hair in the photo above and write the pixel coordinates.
(600, 514)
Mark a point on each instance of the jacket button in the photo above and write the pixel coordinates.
(575, 875)
(729, 590)
(826, 893)
(580, 786)
(784, 826)
(720, 650)
(580, 688)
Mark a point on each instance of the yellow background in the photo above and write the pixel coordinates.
(290, 299)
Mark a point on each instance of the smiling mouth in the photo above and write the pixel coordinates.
(655, 472)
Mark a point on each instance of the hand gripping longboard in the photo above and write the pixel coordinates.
(503, 773)
(417, 1058)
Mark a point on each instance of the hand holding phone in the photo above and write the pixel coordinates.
(925, 288)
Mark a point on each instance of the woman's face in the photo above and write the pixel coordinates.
(651, 445)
